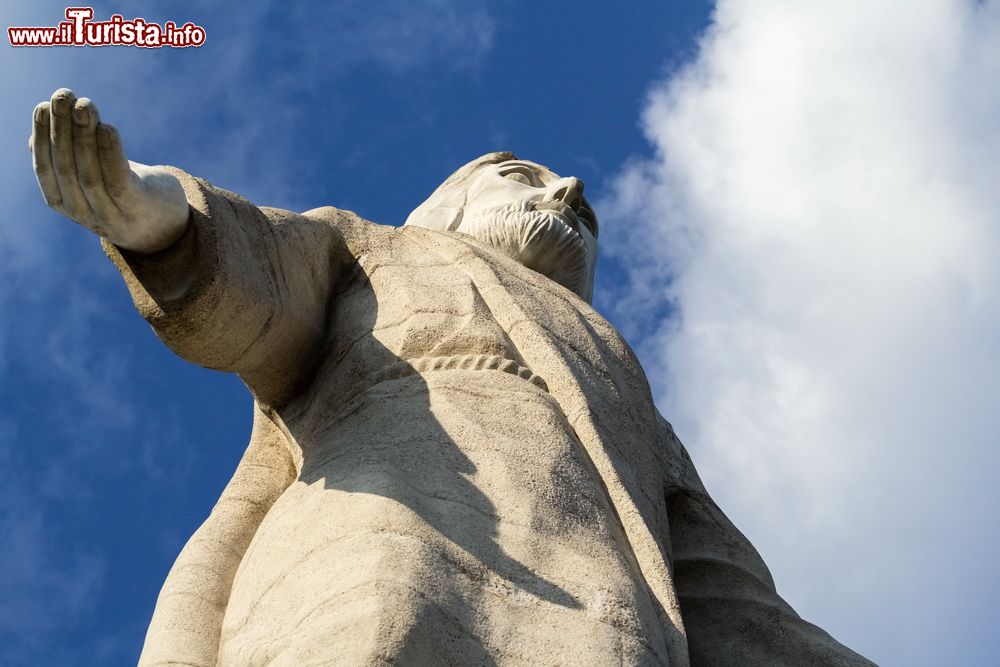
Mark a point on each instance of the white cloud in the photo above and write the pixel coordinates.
(822, 220)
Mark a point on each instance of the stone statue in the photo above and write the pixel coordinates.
(455, 460)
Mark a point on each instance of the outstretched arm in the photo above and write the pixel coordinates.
(225, 284)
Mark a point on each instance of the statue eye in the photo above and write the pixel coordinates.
(519, 177)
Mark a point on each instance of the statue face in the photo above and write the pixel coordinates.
(530, 214)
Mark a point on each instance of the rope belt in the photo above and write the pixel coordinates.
(467, 362)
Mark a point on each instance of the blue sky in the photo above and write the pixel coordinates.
(799, 229)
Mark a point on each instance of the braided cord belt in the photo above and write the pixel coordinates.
(467, 362)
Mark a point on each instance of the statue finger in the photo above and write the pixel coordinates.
(88, 163)
(114, 165)
(75, 204)
(41, 157)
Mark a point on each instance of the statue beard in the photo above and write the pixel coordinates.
(539, 240)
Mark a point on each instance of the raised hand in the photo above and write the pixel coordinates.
(83, 173)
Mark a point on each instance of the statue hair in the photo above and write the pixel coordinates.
(443, 209)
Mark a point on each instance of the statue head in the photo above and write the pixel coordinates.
(524, 211)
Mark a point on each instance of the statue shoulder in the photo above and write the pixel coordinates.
(337, 217)
(356, 231)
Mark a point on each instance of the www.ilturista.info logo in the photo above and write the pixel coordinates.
(80, 30)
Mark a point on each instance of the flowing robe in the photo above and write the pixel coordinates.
(454, 461)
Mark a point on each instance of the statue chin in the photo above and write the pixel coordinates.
(539, 240)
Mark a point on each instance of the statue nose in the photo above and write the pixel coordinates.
(569, 191)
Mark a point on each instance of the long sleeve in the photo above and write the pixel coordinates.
(732, 612)
(245, 289)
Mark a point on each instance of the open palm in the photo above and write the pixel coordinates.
(83, 173)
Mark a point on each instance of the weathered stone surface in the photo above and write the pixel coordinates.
(455, 460)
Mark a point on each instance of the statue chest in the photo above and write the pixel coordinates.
(405, 313)
(427, 309)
